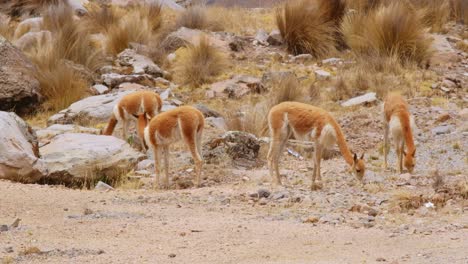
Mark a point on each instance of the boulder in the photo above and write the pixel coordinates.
(93, 109)
(167, 3)
(45, 135)
(74, 159)
(303, 58)
(366, 99)
(261, 37)
(141, 64)
(207, 112)
(322, 75)
(242, 147)
(100, 89)
(19, 89)
(19, 151)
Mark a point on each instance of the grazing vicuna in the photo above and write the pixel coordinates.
(400, 125)
(131, 106)
(307, 122)
(184, 123)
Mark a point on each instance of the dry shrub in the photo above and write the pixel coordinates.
(254, 118)
(100, 19)
(139, 25)
(459, 10)
(69, 40)
(389, 31)
(242, 21)
(199, 64)
(17, 8)
(362, 5)
(196, 17)
(310, 26)
(434, 13)
(406, 200)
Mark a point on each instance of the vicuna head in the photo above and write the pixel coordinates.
(410, 160)
(359, 167)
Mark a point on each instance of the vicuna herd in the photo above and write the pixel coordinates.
(306, 122)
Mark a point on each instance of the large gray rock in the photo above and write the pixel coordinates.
(32, 24)
(79, 158)
(114, 79)
(19, 151)
(167, 3)
(93, 109)
(236, 87)
(19, 89)
(141, 64)
(444, 53)
(45, 135)
(192, 36)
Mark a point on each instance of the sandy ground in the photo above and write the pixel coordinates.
(144, 226)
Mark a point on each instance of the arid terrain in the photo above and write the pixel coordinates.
(71, 195)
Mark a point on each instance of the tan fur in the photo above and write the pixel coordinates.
(183, 122)
(132, 105)
(398, 123)
(307, 122)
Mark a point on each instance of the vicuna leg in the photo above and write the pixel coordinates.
(399, 152)
(402, 149)
(156, 154)
(124, 129)
(385, 146)
(166, 166)
(199, 149)
(317, 158)
(276, 147)
(191, 141)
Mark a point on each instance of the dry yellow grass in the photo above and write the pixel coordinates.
(434, 13)
(242, 21)
(393, 30)
(406, 200)
(310, 26)
(199, 64)
(459, 10)
(6, 30)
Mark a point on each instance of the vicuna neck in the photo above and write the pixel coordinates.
(343, 146)
(406, 127)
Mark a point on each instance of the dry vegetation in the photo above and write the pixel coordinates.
(388, 31)
(17, 8)
(311, 26)
(199, 64)
(197, 17)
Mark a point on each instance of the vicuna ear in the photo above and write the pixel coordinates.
(404, 152)
(362, 156)
(355, 157)
(414, 153)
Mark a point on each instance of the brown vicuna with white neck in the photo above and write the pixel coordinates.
(130, 107)
(307, 122)
(399, 125)
(182, 123)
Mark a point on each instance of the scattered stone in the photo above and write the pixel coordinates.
(8, 249)
(15, 223)
(441, 130)
(141, 64)
(332, 61)
(261, 37)
(87, 211)
(263, 193)
(172, 255)
(311, 220)
(322, 75)
(19, 88)
(443, 118)
(274, 38)
(45, 135)
(273, 76)
(381, 260)
(304, 58)
(444, 54)
(262, 201)
(74, 158)
(279, 195)
(217, 122)
(236, 87)
(3, 228)
(101, 186)
(146, 164)
(100, 89)
(237, 44)
(114, 79)
(19, 159)
(367, 99)
(449, 84)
